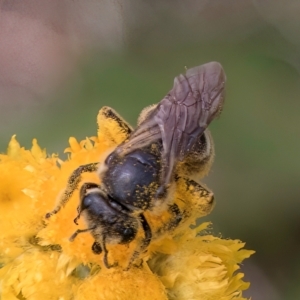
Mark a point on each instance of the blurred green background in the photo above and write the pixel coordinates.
(54, 79)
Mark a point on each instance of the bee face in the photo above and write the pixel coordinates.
(108, 218)
(154, 169)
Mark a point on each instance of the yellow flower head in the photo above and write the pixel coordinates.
(38, 261)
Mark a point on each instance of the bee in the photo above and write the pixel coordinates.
(161, 160)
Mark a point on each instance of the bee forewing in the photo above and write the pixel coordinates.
(182, 116)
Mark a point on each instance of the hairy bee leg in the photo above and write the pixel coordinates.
(83, 190)
(72, 185)
(145, 113)
(145, 242)
(161, 192)
(200, 158)
(176, 217)
(74, 235)
(105, 257)
(113, 125)
(198, 197)
(148, 233)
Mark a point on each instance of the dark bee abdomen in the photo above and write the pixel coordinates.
(132, 179)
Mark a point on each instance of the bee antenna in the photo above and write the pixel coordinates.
(76, 219)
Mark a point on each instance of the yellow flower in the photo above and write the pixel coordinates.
(38, 261)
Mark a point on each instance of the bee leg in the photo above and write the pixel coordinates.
(145, 113)
(72, 185)
(148, 233)
(197, 198)
(74, 235)
(200, 158)
(145, 242)
(105, 257)
(176, 217)
(113, 126)
(161, 192)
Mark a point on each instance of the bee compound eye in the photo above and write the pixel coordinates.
(87, 201)
(128, 234)
(128, 231)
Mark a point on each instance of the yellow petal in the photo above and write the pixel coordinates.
(13, 149)
(36, 150)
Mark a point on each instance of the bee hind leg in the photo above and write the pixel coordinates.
(198, 161)
(113, 126)
(198, 200)
(176, 218)
(145, 113)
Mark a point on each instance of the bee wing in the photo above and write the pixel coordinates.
(182, 116)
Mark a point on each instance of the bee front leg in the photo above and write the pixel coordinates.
(102, 245)
(198, 161)
(72, 185)
(74, 235)
(176, 217)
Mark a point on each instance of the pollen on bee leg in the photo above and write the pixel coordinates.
(199, 201)
(57, 206)
(113, 129)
